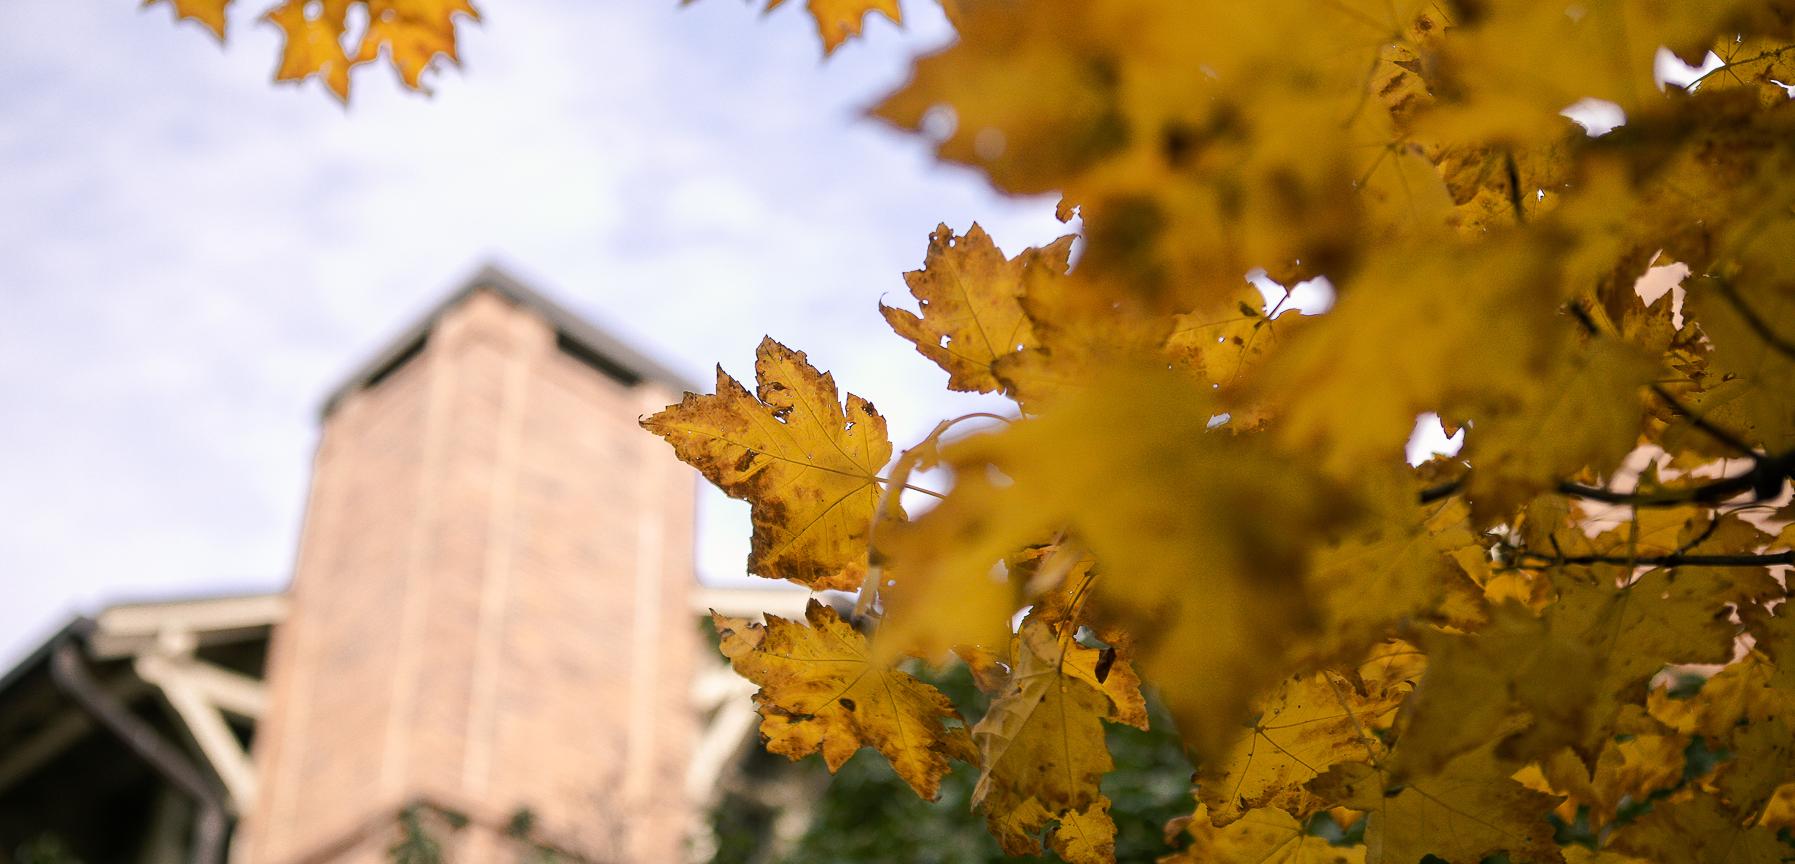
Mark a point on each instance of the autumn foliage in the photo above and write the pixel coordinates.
(318, 39)
(1570, 641)
(1567, 642)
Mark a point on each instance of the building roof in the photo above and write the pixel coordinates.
(598, 346)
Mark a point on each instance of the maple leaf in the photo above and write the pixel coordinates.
(1469, 809)
(413, 33)
(209, 13)
(1629, 769)
(839, 20)
(807, 465)
(314, 43)
(1085, 836)
(1477, 684)
(1756, 63)
(971, 304)
(1586, 415)
(1312, 723)
(822, 692)
(1745, 329)
(1233, 343)
(1481, 341)
(1698, 830)
(1043, 747)
(1660, 619)
(1258, 837)
(1395, 570)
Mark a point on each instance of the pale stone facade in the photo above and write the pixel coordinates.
(490, 608)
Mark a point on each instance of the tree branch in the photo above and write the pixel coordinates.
(1764, 559)
(1706, 493)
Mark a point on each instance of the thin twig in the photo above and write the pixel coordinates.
(1673, 560)
(1442, 491)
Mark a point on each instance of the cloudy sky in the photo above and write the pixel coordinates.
(190, 256)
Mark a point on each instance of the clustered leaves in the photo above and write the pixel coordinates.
(1571, 641)
(411, 34)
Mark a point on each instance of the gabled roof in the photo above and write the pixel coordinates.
(594, 344)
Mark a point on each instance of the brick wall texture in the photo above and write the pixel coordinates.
(489, 609)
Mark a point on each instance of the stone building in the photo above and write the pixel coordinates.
(490, 635)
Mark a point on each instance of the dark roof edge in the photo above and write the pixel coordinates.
(79, 627)
(566, 323)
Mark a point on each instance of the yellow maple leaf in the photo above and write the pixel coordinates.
(807, 464)
(1469, 809)
(1629, 769)
(1752, 341)
(839, 20)
(314, 43)
(1043, 747)
(1085, 836)
(971, 301)
(1267, 836)
(209, 13)
(1585, 414)
(1310, 724)
(1394, 570)
(1698, 830)
(1223, 346)
(1663, 618)
(1474, 321)
(1752, 62)
(1478, 684)
(822, 691)
(413, 33)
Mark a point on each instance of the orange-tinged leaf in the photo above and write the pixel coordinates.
(807, 465)
(209, 13)
(971, 301)
(314, 43)
(839, 20)
(821, 691)
(413, 33)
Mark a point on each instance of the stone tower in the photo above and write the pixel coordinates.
(489, 612)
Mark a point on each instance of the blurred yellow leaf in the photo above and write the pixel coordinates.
(821, 691)
(1258, 837)
(209, 13)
